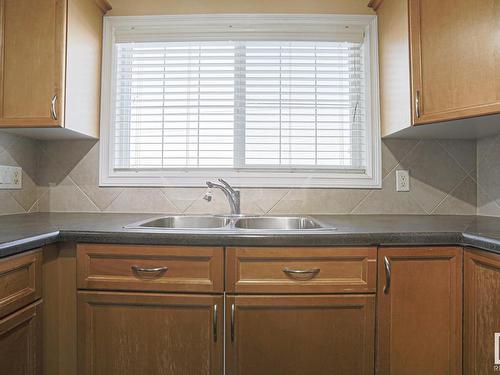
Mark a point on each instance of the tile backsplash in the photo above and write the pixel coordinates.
(62, 176)
(488, 176)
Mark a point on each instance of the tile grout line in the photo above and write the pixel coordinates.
(83, 192)
(458, 163)
(451, 191)
(279, 200)
(372, 191)
(179, 211)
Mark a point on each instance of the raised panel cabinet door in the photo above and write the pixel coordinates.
(481, 312)
(32, 62)
(297, 335)
(21, 342)
(419, 319)
(455, 57)
(153, 334)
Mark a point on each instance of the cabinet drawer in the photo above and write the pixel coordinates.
(150, 268)
(20, 281)
(301, 270)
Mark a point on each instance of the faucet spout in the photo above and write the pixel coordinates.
(232, 195)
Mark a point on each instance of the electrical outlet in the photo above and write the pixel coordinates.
(11, 177)
(402, 180)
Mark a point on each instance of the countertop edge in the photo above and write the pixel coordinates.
(482, 241)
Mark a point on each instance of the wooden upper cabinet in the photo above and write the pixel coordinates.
(481, 311)
(419, 301)
(32, 63)
(50, 64)
(153, 334)
(439, 61)
(299, 335)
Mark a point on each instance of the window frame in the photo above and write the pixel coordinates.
(296, 178)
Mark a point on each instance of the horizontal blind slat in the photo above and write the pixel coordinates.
(180, 105)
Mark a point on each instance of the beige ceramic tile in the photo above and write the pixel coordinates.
(462, 151)
(388, 200)
(433, 173)
(260, 201)
(217, 206)
(25, 154)
(485, 205)
(66, 197)
(393, 151)
(86, 176)
(8, 205)
(461, 201)
(183, 198)
(144, 200)
(6, 140)
(319, 201)
(484, 146)
(26, 196)
(488, 173)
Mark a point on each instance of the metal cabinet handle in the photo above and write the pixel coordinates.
(232, 322)
(301, 274)
(417, 103)
(387, 266)
(139, 269)
(215, 323)
(53, 113)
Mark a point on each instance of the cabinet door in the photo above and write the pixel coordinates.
(154, 334)
(482, 312)
(32, 58)
(20, 342)
(297, 335)
(419, 311)
(455, 54)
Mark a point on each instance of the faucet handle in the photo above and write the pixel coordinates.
(226, 184)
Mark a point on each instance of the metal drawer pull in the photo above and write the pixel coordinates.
(149, 270)
(232, 322)
(215, 323)
(53, 113)
(387, 266)
(301, 274)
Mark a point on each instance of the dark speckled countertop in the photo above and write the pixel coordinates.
(20, 233)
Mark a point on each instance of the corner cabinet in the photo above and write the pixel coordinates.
(419, 301)
(482, 312)
(50, 64)
(438, 61)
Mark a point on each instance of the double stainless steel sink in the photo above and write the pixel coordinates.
(215, 222)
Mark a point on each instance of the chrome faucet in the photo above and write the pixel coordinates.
(232, 195)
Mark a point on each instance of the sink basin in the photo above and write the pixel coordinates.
(277, 223)
(184, 222)
(201, 222)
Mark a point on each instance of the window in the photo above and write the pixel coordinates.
(280, 101)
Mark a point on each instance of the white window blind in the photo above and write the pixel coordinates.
(245, 101)
(239, 105)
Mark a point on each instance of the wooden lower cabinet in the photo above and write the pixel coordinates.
(482, 312)
(419, 311)
(147, 333)
(21, 342)
(297, 335)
